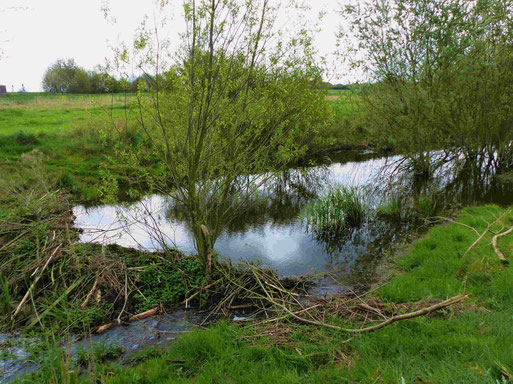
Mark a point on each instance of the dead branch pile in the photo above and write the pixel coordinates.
(46, 278)
(250, 286)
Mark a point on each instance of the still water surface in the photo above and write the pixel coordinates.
(271, 232)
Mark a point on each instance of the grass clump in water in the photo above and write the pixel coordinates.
(392, 209)
(340, 209)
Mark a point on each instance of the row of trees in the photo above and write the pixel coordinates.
(65, 76)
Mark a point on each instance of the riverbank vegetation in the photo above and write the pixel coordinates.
(49, 282)
(465, 343)
(339, 209)
(227, 116)
(440, 75)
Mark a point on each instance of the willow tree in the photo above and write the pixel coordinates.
(440, 76)
(234, 104)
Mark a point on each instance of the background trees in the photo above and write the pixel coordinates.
(441, 76)
(65, 76)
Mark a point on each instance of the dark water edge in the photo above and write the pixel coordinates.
(158, 331)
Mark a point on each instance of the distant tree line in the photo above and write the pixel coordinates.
(65, 76)
(340, 87)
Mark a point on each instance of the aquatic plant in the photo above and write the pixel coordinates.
(391, 209)
(426, 205)
(339, 209)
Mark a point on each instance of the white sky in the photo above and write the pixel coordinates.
(46, 30)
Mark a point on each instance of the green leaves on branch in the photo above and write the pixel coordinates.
(441, 76)
(230, 106)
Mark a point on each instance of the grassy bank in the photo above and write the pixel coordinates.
(49, 282)
(63, 130)
(467, 343)
(68, 131)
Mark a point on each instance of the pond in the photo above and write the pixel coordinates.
(271, 231)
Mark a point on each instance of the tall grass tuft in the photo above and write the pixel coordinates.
(339, 209)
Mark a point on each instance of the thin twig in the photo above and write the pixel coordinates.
(25, 298)
(498, 252)
(90, 294)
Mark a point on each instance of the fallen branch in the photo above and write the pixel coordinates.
(496, 249)
(484, 233)
(367, 307)
(411, 315)
(455, 222)
(90, 294)
(104, 328)
(32, 286)
(140, 316)
(477, 241)
(144, 315)
(393, 319)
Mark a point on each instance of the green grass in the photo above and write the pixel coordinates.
(344, 129)
(339, 209)
(35, 223)
(64, 130)
(391, 209)
(469, 344)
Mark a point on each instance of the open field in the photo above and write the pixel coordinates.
(61, 130)
(64, 129)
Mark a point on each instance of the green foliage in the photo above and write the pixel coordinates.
(469, 344)
(426, 206)
(98, 353)
(64, 76)
(441, 75)
(167, 285)
(229, 107)
(55, 366)
(392, 209)
(344, 127)
(341, 87)
(37, 255)
(339, 209)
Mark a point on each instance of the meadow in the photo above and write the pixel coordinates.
(54, 154)
(65, 130)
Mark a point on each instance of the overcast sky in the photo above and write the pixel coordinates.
(43, 31)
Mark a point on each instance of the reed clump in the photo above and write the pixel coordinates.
(341, 208)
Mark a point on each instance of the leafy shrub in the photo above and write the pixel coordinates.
(168, 285)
